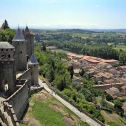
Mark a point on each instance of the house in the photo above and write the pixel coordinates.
(113, 91)
(77, 79)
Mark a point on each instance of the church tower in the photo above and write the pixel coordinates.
(7, 67)
(30, 41)
(33, 64)
(20, 51)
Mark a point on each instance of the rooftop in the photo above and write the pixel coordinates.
(18, 36)
(6, 45)
(33, 60)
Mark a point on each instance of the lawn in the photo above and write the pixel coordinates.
(60, 50)
(118, 47)
(49, 112)
(114, 118)
(112, 124)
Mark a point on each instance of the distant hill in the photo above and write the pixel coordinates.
(109, 30)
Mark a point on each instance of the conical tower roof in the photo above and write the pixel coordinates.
(18, 36)
(33, 60)
(26, 31)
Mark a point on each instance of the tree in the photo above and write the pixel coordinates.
(109, 97)
(6, 24)
(7, 35)
(70, 69)
(81, 72)
(118, 104)
(122, 57)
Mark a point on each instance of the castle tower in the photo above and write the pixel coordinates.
(7, 67)
(20, 51)
(33, 64)
(30, 41)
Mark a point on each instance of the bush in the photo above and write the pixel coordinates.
(109, 97)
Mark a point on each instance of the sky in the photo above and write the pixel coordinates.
(82, 14)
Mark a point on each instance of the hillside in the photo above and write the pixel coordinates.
(45, 110)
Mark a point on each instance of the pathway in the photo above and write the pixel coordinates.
(83, 117)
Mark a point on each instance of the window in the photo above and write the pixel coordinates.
(9, 56)
(22, 42)
(34, 65)
(20, 52)
(1, 49)
(6, 49)
(11, 49)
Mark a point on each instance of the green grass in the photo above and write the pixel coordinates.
(60, 50)
(110, 43)
(123, 47)
(112, 124)
(47, 117)
(113, 117)
(23, 125)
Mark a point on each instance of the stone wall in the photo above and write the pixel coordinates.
(26, 75)
(107, 86)
(19, 100)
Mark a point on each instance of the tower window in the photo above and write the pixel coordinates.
(20, 52)
(9, 56)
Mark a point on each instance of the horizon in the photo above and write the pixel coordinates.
(64, 14)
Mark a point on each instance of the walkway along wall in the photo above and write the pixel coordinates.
(19, 100)
(26, 75)
(77, 107)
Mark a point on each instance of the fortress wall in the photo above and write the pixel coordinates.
(19, 100)
(26, 75)
(107, 86)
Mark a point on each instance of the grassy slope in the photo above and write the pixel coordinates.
(123, 47)
(47, 117)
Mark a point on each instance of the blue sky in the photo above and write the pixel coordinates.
(102, 14)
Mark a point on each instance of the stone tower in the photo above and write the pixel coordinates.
(20, 51)
(33, 64)
(30, 41)
(7, 67)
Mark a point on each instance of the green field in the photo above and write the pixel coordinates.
(118, 47)
(114, 119)
(49, 112)
(60, 50)
(112, 124)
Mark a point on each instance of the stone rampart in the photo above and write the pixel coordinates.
(19, 100)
